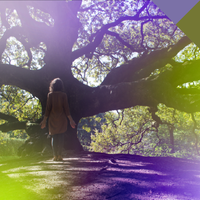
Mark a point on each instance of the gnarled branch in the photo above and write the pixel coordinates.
(8, 118)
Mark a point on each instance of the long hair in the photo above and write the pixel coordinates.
(56, 85)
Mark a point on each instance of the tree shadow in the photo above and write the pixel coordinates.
(117, 176)
(102, 176)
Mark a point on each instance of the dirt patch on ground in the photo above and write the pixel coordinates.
(97, 176)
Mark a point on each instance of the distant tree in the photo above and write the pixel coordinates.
(124, 131)
(133, 131)
(87, 126)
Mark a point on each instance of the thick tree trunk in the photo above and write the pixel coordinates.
(71, 140)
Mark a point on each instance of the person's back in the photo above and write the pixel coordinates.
(59, 101)
(57, 111)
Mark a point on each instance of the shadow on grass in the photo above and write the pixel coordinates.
(131, 177)
(100, 176)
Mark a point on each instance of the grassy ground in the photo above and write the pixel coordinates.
(13, 188)
(7, 158)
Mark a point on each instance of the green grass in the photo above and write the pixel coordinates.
(7, 158)
(9, 146)
(14, 188)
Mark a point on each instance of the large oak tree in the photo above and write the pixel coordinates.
(129, 47)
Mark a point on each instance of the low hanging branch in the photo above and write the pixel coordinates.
(12, 126)
(8, 118)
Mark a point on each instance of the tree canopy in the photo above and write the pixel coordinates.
(110, 55)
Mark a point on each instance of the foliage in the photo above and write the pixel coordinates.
(123, 131)
(9, 146)
(133, 131)
(126, 40)
(87, 127)
(20, 105)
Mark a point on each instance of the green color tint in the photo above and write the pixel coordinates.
(189, 24)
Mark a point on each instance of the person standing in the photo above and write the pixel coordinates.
(57, 111)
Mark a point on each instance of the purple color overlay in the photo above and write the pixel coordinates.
(175, 9)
